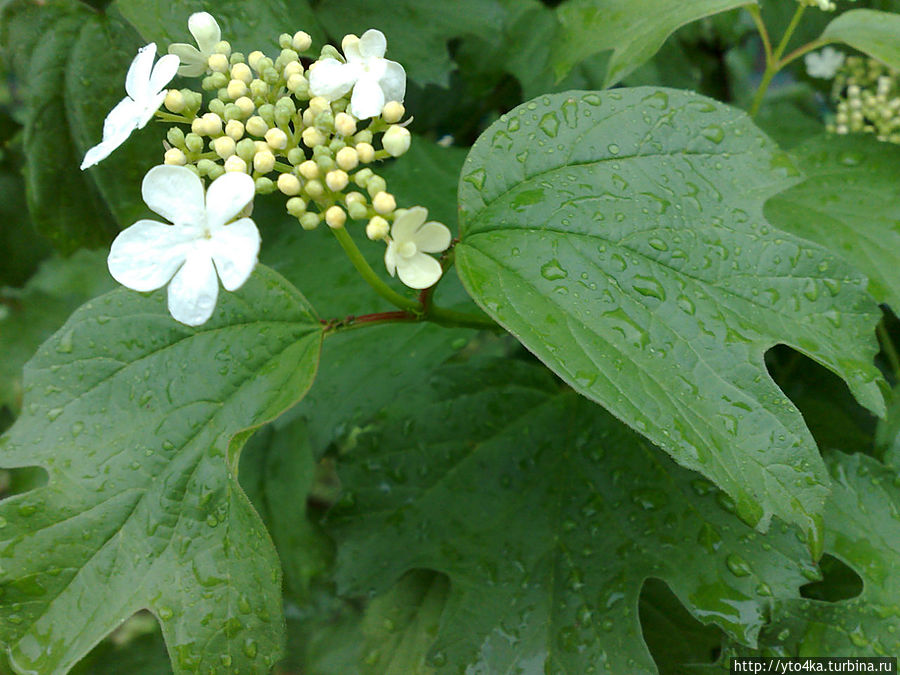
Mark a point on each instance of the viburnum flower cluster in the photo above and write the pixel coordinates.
(312, 134)
(867, 97)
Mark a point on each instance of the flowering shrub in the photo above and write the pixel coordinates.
(508, 337)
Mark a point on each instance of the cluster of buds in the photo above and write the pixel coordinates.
(867, 96)
(824, 5)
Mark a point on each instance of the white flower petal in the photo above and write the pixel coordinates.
(227, 196)
(372, 44)
(419, 271)
(432, 237)
(393, 81)
(175, 193)
(193, 63)
(144, 256)
(350, 47)
(332, 79)
(205, 30)
(117, 127)
(148, 108)
(367, 99)
(235, 250)
(163, 72)
(406, 222)
(194, 290)
(390, 258)
(137, 80)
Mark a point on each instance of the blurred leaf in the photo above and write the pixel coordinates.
(871, 32)
(547, 516)
(139, 422)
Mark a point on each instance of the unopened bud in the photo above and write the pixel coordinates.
(204, 166)
(284, 40)
(347, 158)
(234, 129)
(309, 221)
(377, 228)
(245, 105)
(264, 185)
(313, 137)
(235, 164)
(335, 217)
(174, 101)
(393, 112)
(344, 124)
(175, 157)
(296, 81)
(384, 203)
(253, 59)
(362, 177)
(292, 68)
(296, 156)
(193, 142)
(296, 206)
(365, 152)
(336, 180)
(256, 126)
(309, 169)
(236, 89)
(301, 41)
(264, 161)
(276, 139)
(318, 105)
(314, 189)
(218, 63)
(375, 185)
(223, 47)
(357, 210)
(223, 146)
(289, 184)
(245, 149)
(258, 88)
(396, 140)
(175, 136)
(242, 72)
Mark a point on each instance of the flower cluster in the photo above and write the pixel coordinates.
(867, 96)
(825, 64)
(310, 133)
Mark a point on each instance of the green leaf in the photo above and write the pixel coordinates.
(848, 203)
(139, 421)
(634, 31)
(136, 647)
(863, 531)
(547, 516)
(32, 314)
(417, 32)
(55, 49)
(247, 26)
(871, 32)
(620, 237)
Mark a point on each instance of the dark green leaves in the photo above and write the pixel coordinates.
(849, 204)
(620, 237)
(139, 421)
(547, 516)
(869, 31)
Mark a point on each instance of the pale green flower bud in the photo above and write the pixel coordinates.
(216, 171)
(335, 217)
(253, 58)
(365, 152)
(217, 106)
(309, 221)
(301, 41)
(276, 139)
(362, 177)
(245, 105)
(245, 149)
(256, 126)
(270, 75)
(223, 146)
(236, 89)
(204, 166)
(377, 228)
(330, 52)
(357, 210)
(347, 158)
(312, 137)
(285, 57)
(259, 89)
(267, 112)
(344, 124)
(309, 170)
(232, 113)
(396, 140)
(264, 185)
(393, 112)
(318, 105)
(325, 162)
(336, 180)
(175, 136)
(175, 157)
(292, 68)
(223, 47)
(296, 206)
(364, 136)
(375, 185)
(295, 156)
(217, 81)
(218, 63)
(242, 72)
(289, 184)
(174, 101)
(264, 161)
(237, 57)
(314, 189)
(235, 164)
(193, 142)
(384, 203)
(284, 40)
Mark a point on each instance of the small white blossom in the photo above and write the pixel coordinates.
(202, 242)
(145, 85)
(824, 64)
(411, 238)
(373, 79)
(207, 34)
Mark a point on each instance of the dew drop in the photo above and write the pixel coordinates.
(552, 270)
(549, 124)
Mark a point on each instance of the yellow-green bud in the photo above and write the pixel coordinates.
(314, 189)
(285, 57)
(175, 136)
(215, 171)
(234, 129)
(245, 105)
(257, 126)
(223, 146)
(308, 118)
(298, 85)
(175, 156)
(357, 210)
(336, 180)
(242, 72)
(301, 41)
(344, 124)
(267, 112)
(309, 169)
(259, 89)
(309, 221)
(362, 177)
(347, 158)
(292, 68)
(223, 47)
(296, 206)
(375, 185)
(313, 137)
(218, 63)
(174, 101)
(264, 185)
(236, 89)
(194, 142)
(253, 59)
(212, 124)
(335, 217)
(264, 161)
(245, 149)
(295, 156)
(217, 106)
(235, 164)
(284, 40)
(318, 105)
(396, 140)
(364, 136)
(384, 202)
(276, 139)
(232, 112)
(270, 75)
(365, 152)
(237, 57)
(217, 80)
(289, 184)
(204, 166)
(354, 197)
(393, 112)
(377, 228)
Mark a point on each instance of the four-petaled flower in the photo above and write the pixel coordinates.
(825, 64)
(373, 79)
(201, 242)
(207, 34)
(144, 84)
(411, 238)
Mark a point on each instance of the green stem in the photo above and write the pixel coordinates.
(761, 28)
(367, 273)
(452, 318)
(887, 346)
(774, 63)
(789, 33)
(800, 51)
(169, 117)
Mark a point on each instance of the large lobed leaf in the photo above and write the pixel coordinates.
(620, 237)
(869, 31)
(138, 421)
(849, 204)
(547, 516)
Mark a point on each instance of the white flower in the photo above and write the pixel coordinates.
(144, 84)
(410, 240)
(207, 34)
(373, 79)
(202, 241)
(824, 64)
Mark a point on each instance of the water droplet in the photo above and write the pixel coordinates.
(552, 270)
(648, 287)
(476, 178)
(53, 413)
(250, 648)
(549, 124)
(658, 100)
(738, 566)
(658, 244)
(77, 428)
(164, 613)
(613, 149)
(714, 133)
(65, 342)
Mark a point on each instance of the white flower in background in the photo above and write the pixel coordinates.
(145, 84)
(411, 238)
(207, 34)
(824, 64)
(373, 79)
(201, 242)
